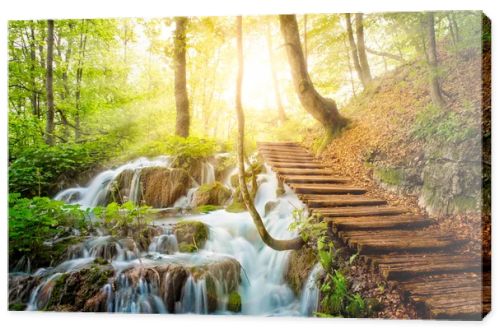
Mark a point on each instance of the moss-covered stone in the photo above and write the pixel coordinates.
(206, 208)
(390, 176)
(236, 207)
(17, 307)
(191, 235)
(71, 291)
(234, 302)
(211, 194)
(300, 264)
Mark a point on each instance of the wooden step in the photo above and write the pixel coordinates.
(401, 222)
(308, 165)
(359, 211)
(284, 151)
(452, 296)
(315, 179)
(342, 200)
(290, 159)
(277, 144)
(386, 241)
(302, 171)
(311, 188)
(406, 266)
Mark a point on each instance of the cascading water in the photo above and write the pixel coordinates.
(146, 281)
(96, 192)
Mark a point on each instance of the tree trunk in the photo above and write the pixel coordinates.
(49, 125)
(79, 77)
(348, 58)
(305, 40)
(432, 60)
(259, 224)
(354, 49)
(322, 109)
(277, 95)
(34, 94)
(180, 89)
(360, 39)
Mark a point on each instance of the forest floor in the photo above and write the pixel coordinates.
(382, 122)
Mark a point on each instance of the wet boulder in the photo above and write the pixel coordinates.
(300, 264)
(211, 194)
(76, 290)
(20, 287)
(161, 187)
(174, 283)
(191, 235)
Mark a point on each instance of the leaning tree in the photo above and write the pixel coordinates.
(324, 110)
(259, 224)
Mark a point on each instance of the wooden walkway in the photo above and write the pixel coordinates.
(442, 282)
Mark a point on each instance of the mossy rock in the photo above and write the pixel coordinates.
(234, 302)
(206, 208)
(17, 307)
(300, 264)
(390, 176)
(72, 291)
(236, 207)
(211, 194)
(191, 235)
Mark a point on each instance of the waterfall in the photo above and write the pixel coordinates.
(97, 190)
(207, 173)
(310, 293)
(144, 280)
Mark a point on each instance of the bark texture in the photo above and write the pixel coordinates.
(360, 39)
(432, 60)
(259, 224)
(49, 125)
(180, 89)
(322, 109)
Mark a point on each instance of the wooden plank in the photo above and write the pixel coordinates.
(359, 211)
(452, 296)
(386, 241)
(315, 179)
(343, 200)
(380, 222)
(289, 159)
(405, 266)
(309, 165)
(302, 171)
(325, 189)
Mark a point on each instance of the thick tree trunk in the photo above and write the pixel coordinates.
(305, 40)
(322, 109)
(277, 95)
(354, 49)
(360, 39)
(49, 125)
(432, 60)
(259, 224)
(180, 89)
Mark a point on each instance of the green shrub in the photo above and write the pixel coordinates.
(36, 171)
(123, 220)
(34, 221)
(184, 150)
(444, 126)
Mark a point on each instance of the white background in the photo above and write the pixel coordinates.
(21, 322)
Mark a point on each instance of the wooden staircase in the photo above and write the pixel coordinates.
(442, 282)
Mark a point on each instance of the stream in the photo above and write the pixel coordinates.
(142, 281)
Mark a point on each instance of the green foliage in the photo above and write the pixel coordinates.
(184, 150)
(336, 298)
(206, 208)
(309, 227)
(32, 222)
(123, 220)
(391, 176)
(36, 171)
(433, 123)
